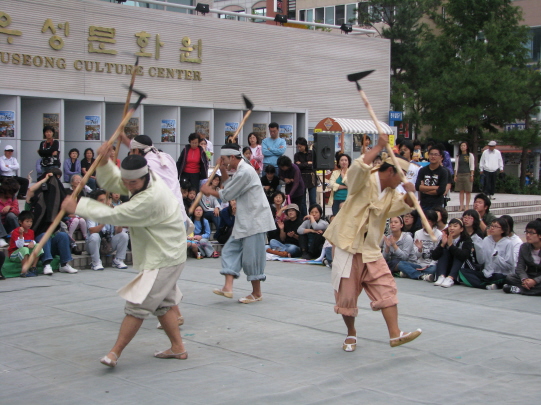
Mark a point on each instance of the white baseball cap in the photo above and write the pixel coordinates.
(492, 143)
(9, 147)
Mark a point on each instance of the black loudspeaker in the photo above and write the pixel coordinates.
(323, 151)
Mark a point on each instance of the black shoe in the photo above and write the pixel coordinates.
(306, 256)
(511, 289)
(76, 251)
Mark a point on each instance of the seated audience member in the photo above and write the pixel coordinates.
(481, 204)
(211, 209)
(443, 217)
(455, 248)
(425, 265)
(9, 208)
(472, 223)
(496, 259)
(410, 223)
(227, 220)
(527, 277)
(199, 241)
(72, 165)
(288, 243)
(270, 182)
(22, 244)
(86, 162)
(9, 166)
(311, 231)
(291, 175)
(44, 200)
(326, 256)
(189, 199)
(75, 221)
(247, 153)
(74, 183)
(118, 239)
(114, 199)
(398, 246)
(278, 212)
(515, 239)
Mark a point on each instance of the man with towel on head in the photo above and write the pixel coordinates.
(356, 234)
(158, 246)
(245, 249)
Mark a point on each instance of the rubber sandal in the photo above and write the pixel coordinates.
(248, 300)
(405, 338)
(106, 361)
(225, 294)
(171, 355)
(216, 255)
(350, 347)
(180, 322)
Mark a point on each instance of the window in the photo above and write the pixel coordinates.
(302, 15)
(535, 44)
(310, 15)
(351, 16)
(180, 10)
(259, 11)
(320, 15)
(340, 14)
(329, 15)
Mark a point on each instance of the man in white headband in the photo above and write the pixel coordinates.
(245, 249)
(158, 247)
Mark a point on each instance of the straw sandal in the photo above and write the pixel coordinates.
(168, 354)
(248, 300)
(405, 338)
(106, 361)
(226, 294)
(350, 347)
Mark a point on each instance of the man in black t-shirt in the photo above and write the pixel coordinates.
(432, 180)
(288, 245)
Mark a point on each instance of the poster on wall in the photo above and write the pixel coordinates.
(7, 124)
(132, 127)
(310, 139)
(202, 128)
(169, 130)
(52, 120)
(260, 130)
(286, 132)
(92, 127)
(348, 143)
(358, 142)
(230, 128)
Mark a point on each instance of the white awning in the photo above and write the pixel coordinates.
(352, 126)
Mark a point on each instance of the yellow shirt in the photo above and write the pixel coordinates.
(359, 225)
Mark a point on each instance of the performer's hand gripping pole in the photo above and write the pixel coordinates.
(61, 214)
(249, 107)
(355, 77)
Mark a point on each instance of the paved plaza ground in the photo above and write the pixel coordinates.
(477, 346)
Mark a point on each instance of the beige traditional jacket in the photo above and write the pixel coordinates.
(360, 223)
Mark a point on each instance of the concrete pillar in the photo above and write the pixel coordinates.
(536, 162)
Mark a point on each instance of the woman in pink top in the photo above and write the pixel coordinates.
(255, 147)
(9, 208)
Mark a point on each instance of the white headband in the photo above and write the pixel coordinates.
(147, 148)
(133, 174)
(230, 152)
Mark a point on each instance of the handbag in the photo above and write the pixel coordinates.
(106, 246)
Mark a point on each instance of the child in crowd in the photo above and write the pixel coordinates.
(9, 208)
(270, 183)
(190, 198)
(211, 209)
(114, 199)
(203, 144)
(227, 221)
(198, 242)
(22, 244)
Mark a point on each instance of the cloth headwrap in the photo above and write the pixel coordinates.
(133, 167)
(147, 148)
(230, 152)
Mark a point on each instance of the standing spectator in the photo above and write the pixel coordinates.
(203, 143)
(270, 183)
(490, 164)
(287, 243)
(86, 162)
(49, 150)
(304, 160)
(192, 164)
(118, 239)
(406, 151)
(273, 147)
(432, 180)
(464, 170)
(247, 153)
(8, 169)
(481, 204)
(311, 231)
(9, 208)
(417, 155)
(398, 245)
(338, 182)
(255, 146)
(72, 165)
(291, 175)
(527, 277)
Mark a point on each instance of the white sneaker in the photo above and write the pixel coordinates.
(448, 282)
(3, 243)
(439, 281)
(119, 264)
(97, 266)
(48, 270)
(67, 269)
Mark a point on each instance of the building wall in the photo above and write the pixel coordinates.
(282, 70)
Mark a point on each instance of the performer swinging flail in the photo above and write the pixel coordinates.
(158, 246)
(356, 233)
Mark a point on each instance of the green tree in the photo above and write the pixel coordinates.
(476, 56)
(403, 22)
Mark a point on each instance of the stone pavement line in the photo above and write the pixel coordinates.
(282, 350)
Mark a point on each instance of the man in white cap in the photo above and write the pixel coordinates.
(158, 246)
(356, 234)
(490, 165)
(245, 249)
(9, 167)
